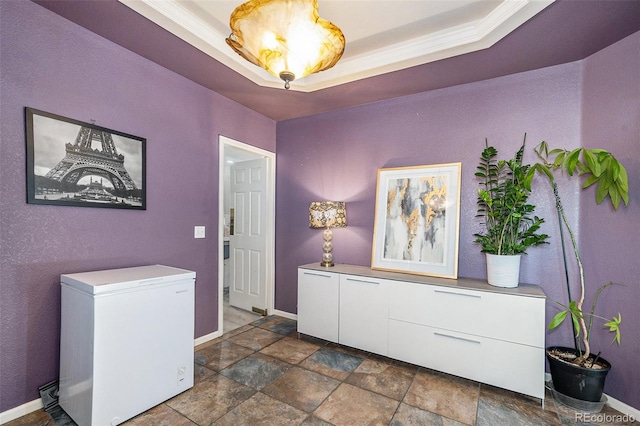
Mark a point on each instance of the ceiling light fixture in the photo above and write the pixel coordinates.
(285, 37)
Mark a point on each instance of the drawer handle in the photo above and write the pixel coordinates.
(317, 275)
(458, 294)
(456, 337)
(363, 281)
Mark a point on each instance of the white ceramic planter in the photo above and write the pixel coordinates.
(503, 270)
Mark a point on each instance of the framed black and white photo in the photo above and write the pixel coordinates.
(72, 163)
(417, 220)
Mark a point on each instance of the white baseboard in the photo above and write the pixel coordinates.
(284, 314)
(22, 410)
(623, 408)
(207, 337)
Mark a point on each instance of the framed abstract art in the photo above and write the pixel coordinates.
(417, 220)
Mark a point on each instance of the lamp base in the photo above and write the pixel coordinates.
(326, 264)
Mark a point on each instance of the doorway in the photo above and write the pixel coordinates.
(246, 242)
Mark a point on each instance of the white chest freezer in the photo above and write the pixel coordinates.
(127, 341)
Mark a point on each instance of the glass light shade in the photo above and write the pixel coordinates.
(285, 37)
(327, 214)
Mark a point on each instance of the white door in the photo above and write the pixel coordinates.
(248, 260)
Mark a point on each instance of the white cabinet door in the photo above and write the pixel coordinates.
(318, 300)
(507, 317)
(364, 313)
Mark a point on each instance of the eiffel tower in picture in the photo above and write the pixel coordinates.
(82, 160)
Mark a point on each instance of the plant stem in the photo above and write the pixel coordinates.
(504, 228)
(583, 326)
(560, 210)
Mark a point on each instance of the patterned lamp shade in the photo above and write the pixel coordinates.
(327, 214)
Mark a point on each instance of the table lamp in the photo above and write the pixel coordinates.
(327, 215)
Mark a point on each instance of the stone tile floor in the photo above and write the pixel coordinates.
(234, 317)
(263, 374)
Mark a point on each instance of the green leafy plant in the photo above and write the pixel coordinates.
(502, 203)
(601, 168)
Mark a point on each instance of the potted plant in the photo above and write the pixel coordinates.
(576, 372)
(502, 203)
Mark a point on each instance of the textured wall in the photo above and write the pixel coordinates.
(610, 243)
(335, 156)
(53, 65)
(48, 63)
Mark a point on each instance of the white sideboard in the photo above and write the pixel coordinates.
(463, 327)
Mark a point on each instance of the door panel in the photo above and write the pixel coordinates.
(249, 242)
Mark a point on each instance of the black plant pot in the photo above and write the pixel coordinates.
(585, 384)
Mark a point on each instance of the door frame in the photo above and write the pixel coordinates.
(270, 221)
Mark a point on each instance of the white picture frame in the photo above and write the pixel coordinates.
(417, 220)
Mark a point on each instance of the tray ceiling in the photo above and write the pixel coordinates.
(382, 36)
(394, 48)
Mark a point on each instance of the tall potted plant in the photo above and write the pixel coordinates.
(576, 372)
(507, 215)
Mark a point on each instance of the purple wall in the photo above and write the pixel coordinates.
(336, 155)
(609, 240)
(51, 64)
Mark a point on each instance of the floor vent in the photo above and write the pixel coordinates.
(49, 396)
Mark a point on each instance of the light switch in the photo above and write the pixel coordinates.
(198, 232)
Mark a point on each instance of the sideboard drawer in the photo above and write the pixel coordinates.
(498, 316)
(495, 362)
(442, 350)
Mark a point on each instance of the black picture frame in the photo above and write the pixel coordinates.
(73, 163)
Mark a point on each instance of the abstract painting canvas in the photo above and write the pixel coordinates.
(417, 220)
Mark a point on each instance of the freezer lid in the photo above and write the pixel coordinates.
(109, 280)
